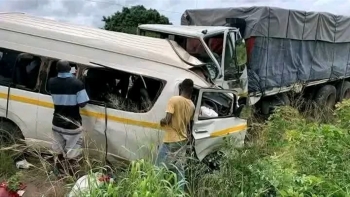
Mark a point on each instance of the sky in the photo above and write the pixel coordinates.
(90, 12)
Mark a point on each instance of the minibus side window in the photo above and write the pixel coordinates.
(22, 69)
(27, 71)
(7, 65)
(215, 105)
(121, 90)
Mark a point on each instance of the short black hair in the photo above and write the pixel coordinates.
(63, 66)
(187, 86)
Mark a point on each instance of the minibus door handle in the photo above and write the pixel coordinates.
(201, 131)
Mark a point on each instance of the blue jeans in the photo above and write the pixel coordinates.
(172, 155)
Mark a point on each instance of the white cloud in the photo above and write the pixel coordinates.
(90, 12)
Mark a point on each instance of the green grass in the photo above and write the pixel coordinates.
(7, 166)
(294, 157)
(142, 179)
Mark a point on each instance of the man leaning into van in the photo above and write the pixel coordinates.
(179, 112)
(68, 95)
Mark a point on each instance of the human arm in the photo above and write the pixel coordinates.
(166, 120)
(169, 113)
(190, 125)
(82, 97)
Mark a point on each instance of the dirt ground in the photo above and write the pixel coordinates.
(41, 186)
(39, 183)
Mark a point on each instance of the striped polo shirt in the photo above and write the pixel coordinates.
(67, 93)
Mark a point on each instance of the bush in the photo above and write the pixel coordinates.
(342, 114)
(296, 158)
(293, 157)
(7, 165)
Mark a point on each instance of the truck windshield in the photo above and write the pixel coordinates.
(224, 55)
(241, 54)
(229, 59)
(230, 55)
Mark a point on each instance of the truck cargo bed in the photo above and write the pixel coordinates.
(287, 46)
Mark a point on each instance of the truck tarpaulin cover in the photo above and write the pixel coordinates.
(290, 46)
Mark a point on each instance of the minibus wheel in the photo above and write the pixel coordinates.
(10, 134)
(213, 160)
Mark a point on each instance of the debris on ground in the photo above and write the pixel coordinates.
(23, 164)
(7, 191)
(85, 183)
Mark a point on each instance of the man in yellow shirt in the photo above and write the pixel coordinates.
(179, 112)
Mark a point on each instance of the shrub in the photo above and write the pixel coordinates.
(296, 158)
(7, 165)
(342, 114)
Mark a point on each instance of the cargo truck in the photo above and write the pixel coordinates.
(265, 53)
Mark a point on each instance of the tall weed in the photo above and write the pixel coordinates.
(141, 180)
(7, 165)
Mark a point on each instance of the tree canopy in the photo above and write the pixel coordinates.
(128, 19)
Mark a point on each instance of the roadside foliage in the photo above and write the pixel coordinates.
(293, 156)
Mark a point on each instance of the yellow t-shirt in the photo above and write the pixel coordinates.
(182, 110)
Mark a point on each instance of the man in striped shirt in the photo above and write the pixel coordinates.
(68, 95)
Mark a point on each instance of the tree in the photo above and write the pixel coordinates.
(129, 18)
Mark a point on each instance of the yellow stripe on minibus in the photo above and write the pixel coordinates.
(146, 124)
(227, 131)
(84, 112)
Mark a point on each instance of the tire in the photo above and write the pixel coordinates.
(268, 105)
(326, 96)
(343, 91)
(10, 134)
(213, 161)
(284, 99)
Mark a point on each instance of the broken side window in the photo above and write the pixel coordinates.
(121, 90)
(215, 104)
(7, 65)
(27, 71)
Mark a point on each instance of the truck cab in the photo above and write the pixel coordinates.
(221, 48)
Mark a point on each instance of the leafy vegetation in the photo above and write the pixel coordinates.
(7, 168)
(141, 180)
(293, 157)
(128, 19)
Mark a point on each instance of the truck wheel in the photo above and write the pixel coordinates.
(284, 99)
(326, 96)
(343, 91)
(268, 105)
(10, 134)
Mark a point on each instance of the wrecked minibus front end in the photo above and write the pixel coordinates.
(208, 132)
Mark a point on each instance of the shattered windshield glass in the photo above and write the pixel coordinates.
(196, 49)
